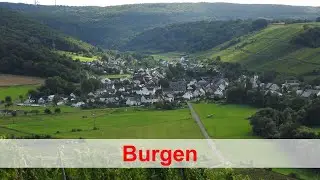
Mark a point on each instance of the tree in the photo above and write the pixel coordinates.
(47, 111)
(14, 113)
(8, 99)
(21, 98)
(259, 24)
(318, 19)
(57, 111)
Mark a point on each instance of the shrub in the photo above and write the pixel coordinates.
(47, 111)
(57, 110)
(293, 175)
(14, 113)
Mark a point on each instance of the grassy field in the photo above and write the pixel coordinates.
(114, 76)
(111, 123)
(227, 122)
(15, 91)
(270, 49)
(81, 58)
(170, 56)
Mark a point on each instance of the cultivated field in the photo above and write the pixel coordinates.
(14, 80)
(111, 123)
(227, 121)
(271, 49)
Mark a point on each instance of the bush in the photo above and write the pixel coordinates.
(47, 111)
(76, 130)
(57, 132)
(293, 175)
(14, 113)
(57, 110)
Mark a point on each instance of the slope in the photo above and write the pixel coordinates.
(189, 37)
(272, 49)
(26, 48)
(112, 27)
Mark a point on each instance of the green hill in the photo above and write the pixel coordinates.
(274, 48)
(189, 37)
(26, 48)
(112, 27)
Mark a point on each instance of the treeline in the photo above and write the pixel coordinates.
(194, 36)
(120, 174)
(309, 38)
(281, 116)
(26, 48)
(113, 27)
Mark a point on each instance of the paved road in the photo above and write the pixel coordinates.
(206, 135)
(198, 121)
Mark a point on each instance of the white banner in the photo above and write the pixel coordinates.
(159, 153)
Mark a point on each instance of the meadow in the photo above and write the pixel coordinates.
(123, 123)
(227, 121)
(15, 91)
(80, 57)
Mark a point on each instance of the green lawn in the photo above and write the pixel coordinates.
(227, 122)
(111, 123)
(15, 91)
(81, 58)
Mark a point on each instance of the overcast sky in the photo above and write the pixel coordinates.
(120, 2)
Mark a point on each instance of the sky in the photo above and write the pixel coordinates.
(121, 2)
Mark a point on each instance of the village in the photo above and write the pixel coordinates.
(147, 86)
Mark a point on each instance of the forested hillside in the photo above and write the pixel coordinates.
(26, 48)
(190, 37)
(288, 49)
(113, 27)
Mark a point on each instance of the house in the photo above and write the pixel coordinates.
(202, 83)
(254, 81)
(309, 93)
(187, 95)
(145, 100)
(50, 98)
(41, 101)
(146, 91)
(199, 92)
(29, 101)
(273, 92)
(131, 101)
(72, 95)
(291, 84)
(272, 87)
(79, 104)
(178, 86)
(60, 103)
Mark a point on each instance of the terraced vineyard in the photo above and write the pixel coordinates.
(271, 49)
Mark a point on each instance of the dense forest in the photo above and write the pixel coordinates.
(194, 36)
(113, 27)
(26, 48)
